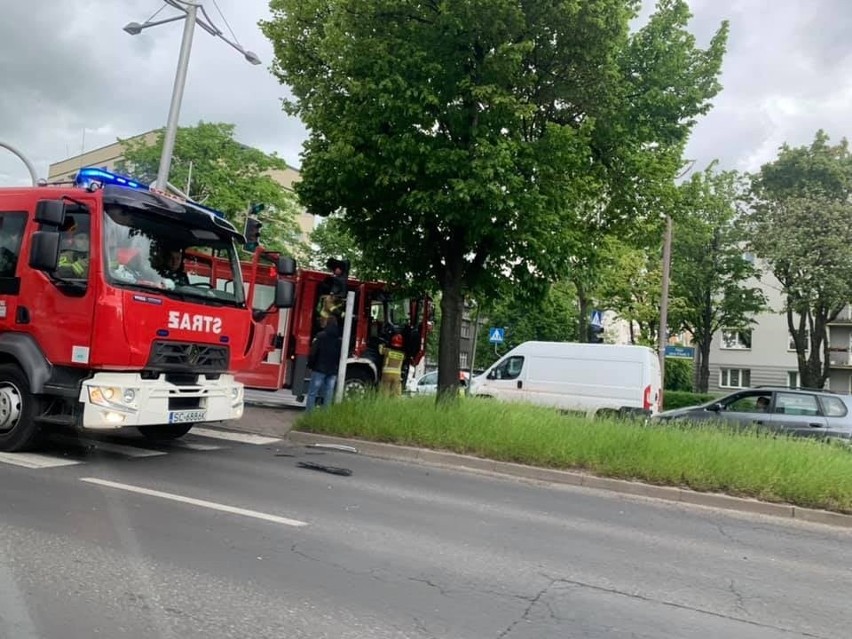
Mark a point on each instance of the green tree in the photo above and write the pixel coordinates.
(225, 175)
(548, 318)
(461, 139)
(630, 285)
(710, 275)
(800, 225)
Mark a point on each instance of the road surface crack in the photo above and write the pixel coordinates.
(672, 604)
(372, 573)
(532, 601)
(740, 600)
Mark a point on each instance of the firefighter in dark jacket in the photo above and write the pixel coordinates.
(323, 361)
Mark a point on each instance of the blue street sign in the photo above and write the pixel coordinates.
(684, 352)
(496, 335)
(597, 318)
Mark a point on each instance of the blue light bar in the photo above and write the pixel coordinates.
(92, 174)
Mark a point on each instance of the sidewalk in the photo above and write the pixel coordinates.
(275, 421)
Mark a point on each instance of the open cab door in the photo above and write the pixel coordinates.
(270, 284)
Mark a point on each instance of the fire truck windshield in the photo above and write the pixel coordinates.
(159, 253)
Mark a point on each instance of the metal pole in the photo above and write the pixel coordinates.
(177, 96)
(23, 158)
(475, 344)
(344, 347)
(664, 298)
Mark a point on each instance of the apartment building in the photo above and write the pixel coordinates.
(110, 156)
(764, 354)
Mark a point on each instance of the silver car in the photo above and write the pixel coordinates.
(800, 412)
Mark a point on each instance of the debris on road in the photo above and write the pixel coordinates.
(341, 447)
(334, 470)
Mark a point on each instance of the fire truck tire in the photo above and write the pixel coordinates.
(358, 382)
(19, 430)
(165, 432)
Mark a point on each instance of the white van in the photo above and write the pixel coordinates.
(592, 378)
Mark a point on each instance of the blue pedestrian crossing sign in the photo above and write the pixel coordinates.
(497, 335)
(597, 318)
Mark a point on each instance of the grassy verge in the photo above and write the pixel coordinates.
(801, 472)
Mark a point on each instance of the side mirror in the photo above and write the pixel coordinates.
(50, 212)
(286, 265)
(492, 374)
(44, 250)
(715, 407)
(285, 294)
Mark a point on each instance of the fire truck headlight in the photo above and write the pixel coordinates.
(111, 396)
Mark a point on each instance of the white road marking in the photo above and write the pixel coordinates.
(243, 438)
(34, 460)
(193, 446)
(128, 451)
(195, 502)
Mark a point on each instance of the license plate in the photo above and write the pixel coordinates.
(184, 416)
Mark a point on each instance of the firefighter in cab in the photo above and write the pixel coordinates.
(393, 358)
(74, 255)
(334, 300)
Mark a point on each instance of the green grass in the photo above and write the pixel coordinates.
(779, 469)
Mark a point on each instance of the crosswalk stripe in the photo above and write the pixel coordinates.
(35, 460)
(243, 438)
(128, 451)
(193, 446)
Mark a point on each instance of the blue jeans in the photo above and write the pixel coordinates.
(320, 384)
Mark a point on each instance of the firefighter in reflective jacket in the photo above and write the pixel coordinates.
(74, 260)
(394, 357)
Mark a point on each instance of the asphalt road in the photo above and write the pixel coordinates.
(224, 538)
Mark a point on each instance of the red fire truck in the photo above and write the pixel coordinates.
(379, 313)
(95, 330)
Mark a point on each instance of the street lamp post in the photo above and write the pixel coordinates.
(23, 158)
(177, 96)
(190, 10)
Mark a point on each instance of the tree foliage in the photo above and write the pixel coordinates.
(630, 285)
(711, 278)
(463, 141)
(800, 224)
(222, 174)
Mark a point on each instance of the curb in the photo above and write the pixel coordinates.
(477, 464)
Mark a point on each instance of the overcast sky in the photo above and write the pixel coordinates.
(71, 79)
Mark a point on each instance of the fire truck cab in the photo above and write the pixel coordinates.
(379, 313)
(119, 307)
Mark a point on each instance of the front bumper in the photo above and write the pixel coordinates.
(117, 400)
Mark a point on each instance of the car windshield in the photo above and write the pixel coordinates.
(145, 251)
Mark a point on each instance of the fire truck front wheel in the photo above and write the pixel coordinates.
(359, 381)
(18, 410)
(165, 432)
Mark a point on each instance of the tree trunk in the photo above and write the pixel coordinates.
(452, 312)
(703, 368)
(583, 318)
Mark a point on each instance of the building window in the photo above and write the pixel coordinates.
(791, 344)
(735, 339)
(734, 378)
(463, 359)
(793, 379)
(465, 330)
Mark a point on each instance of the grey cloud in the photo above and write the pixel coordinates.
(788, 72)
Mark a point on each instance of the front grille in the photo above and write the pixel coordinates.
(188, 357)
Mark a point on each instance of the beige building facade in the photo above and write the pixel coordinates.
(108, 158)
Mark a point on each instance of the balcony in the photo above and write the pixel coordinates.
(840, 358)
